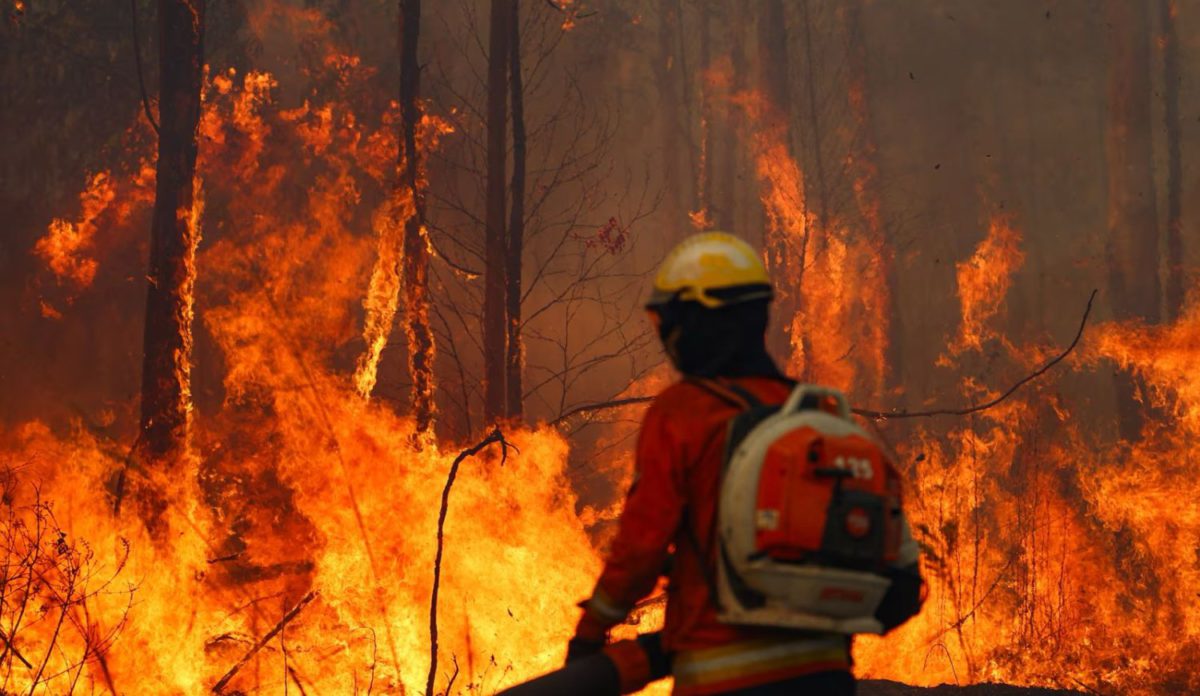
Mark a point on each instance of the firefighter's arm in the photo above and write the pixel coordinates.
(905, 596)
(648, 524)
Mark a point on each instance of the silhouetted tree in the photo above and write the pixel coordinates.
(166, 369)
(1133, 257)
(416, 254)
(495, 325)
(515, 398)
(1171, 79)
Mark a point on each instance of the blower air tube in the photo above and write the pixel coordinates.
(594, 675)
(623, 667)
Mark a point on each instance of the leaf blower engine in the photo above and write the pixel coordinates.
(809, 519)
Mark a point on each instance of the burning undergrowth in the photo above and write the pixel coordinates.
(297, 483)
(1052, 551)
(300, 538)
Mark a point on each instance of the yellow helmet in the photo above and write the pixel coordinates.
(715, 269)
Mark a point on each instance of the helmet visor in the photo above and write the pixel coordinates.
(712, 297)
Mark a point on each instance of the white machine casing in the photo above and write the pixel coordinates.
(792, 595)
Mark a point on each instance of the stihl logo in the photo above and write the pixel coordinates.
(841, 594)
(861, 468)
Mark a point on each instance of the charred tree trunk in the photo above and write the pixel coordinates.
(888, 318)
(783, 257)
(773, 59)
(167, 342)
(416, 253)
(665, 74)
(1175, 282)
(725, 175)
(1133, 257)
(494, 320)
(738, 199)
(820, 189)
(516, 225)
(685, 84)
(704, 185)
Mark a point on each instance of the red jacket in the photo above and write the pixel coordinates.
(672, 505)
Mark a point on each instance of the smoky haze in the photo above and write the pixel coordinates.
(973, 109)
(937, 187)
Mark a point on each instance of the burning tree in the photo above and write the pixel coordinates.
(406, 211)
(166, 405)
(305, 527)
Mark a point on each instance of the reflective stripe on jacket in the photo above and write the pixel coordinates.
(750, 663)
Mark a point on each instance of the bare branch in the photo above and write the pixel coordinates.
(493, 437)
(137, 59)
(883, 415)
(287, 618)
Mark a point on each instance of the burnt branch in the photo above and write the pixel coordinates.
(602, 406)
(884, 415)
(137, 59)
(287, 618)
(493, 437)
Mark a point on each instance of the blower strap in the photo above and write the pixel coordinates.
(751, 412)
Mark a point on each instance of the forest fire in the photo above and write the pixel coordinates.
(319, 531)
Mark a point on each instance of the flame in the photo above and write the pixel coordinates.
(875, 287)
(182, 357)
(1052, 552)
(983, 282)
(65, 241)
(1164, 356)
(302, 485)
(826, 278)
(1054, 556)
(383, 294)
(70, 248)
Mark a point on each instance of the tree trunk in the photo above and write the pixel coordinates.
(516, 224)
(773, 59)
(665, 72)
(416, 253)
(1133, 258)
(785, 258)
(820, 188)
(740, 206)
(704, 184)
(1175, 281)
(494, 320)
(685, 84)
(167, 342)
(725, 176)
(887, 318)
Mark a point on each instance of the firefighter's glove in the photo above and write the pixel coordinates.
(578, 648)
(591, 635)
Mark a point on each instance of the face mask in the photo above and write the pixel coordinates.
(705, 342)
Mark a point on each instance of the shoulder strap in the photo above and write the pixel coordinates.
(784, 379)
(726, 391)
(752, 411)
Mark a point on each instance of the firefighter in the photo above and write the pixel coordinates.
(710, 306)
